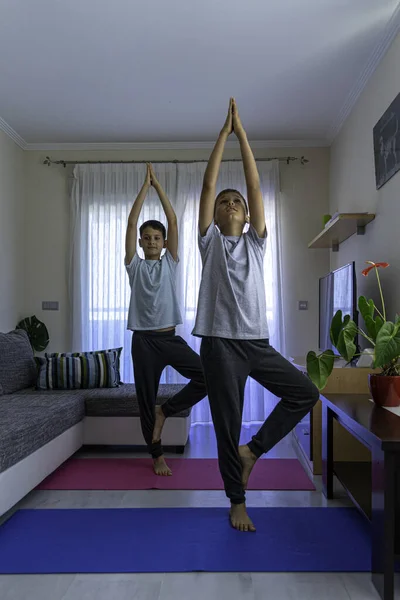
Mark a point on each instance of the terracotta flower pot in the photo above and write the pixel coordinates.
(385, 390)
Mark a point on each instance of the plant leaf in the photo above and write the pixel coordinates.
(387, 346)
(37, 332)
(342, 334)
(366, 307)
(336, 327)
(367, 310)
(373, 326)
(378, 325)
(346, 346)
(370, 325)
(320, 367)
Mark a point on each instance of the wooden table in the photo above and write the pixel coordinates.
(373, 487)
(308, 436)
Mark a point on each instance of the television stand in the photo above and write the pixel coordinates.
(343, 380)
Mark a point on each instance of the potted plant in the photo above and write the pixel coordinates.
(381, 334)
(37, 333)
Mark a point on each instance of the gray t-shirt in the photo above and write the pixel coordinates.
(231, 300)
(154, 303)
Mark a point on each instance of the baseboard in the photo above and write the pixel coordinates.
(126, 431)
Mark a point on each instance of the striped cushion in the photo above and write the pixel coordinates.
(115, 351)
(78, 372)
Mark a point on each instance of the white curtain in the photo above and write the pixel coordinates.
(102, 196)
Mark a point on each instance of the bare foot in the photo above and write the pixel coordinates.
(239, 518)
(160, 467)
(159, 424)
(248, 460)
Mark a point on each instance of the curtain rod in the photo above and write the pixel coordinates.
(64, 163)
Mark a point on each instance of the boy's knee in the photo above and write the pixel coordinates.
(310, 392)
(199, 378)
(314, 394)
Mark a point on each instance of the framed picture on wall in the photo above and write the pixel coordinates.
(387, 144)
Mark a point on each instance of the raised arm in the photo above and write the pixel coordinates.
(172, 235)
(131, 230)
(207, 198)
(254, 195)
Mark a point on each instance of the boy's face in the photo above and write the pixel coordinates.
(230, 208)
(152, 242)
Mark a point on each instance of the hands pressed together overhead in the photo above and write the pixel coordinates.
(233, 123)
(151, 179)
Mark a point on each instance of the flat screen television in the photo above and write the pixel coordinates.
(337, 291)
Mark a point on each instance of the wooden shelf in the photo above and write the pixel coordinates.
(340, 228)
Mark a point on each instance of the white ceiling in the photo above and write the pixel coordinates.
(81, 71)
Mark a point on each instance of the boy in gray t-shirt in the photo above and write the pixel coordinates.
(153, 314)
(231, 319)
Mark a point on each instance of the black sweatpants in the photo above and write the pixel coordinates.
(152, 351)
(227, 364)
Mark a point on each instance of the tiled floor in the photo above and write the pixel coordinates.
(193, 586)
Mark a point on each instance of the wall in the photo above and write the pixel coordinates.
(12, 240)
(353, 185)
(304, 201)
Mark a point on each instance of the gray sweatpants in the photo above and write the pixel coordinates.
(227, 364)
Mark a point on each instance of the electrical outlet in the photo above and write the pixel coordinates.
(303, 304)
(50, 305)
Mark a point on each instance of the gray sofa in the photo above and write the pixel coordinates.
(41, 429)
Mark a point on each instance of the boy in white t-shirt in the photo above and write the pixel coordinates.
(232, 321)
(153, 315)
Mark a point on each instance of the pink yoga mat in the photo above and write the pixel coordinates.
(188, 474)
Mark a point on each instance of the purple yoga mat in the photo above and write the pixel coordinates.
(121, 540)
(188, 474)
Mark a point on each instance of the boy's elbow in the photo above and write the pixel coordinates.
(253, 187)
(132, 225)
(208, 185)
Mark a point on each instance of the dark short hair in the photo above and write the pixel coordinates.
(229, 191)
(154, 225)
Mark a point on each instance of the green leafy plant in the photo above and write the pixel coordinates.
(37, 333)
(382, 334)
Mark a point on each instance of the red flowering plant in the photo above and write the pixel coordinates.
(380, 333)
